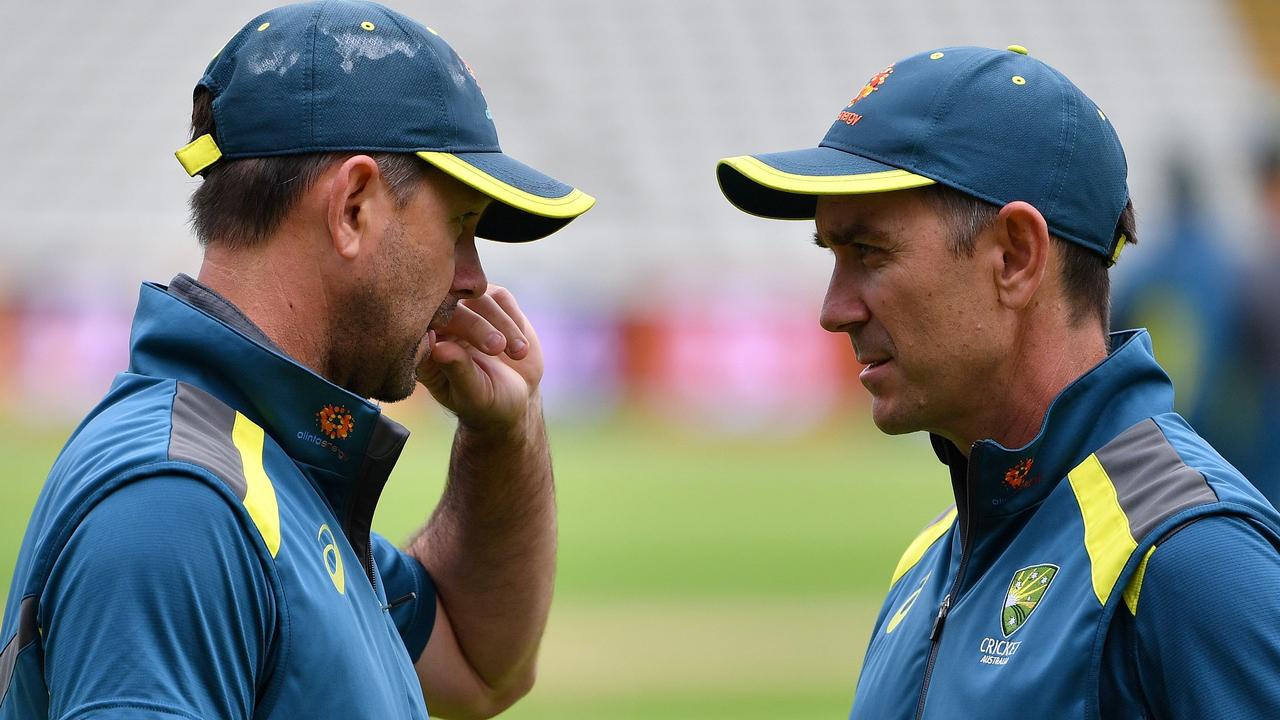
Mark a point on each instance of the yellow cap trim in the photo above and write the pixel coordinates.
(570, 205)
(1115, 254)
(1018, 49)
(923, 542)
(1107, 537)
(260, 495)
(198, 154)
(775, 179)
(1134, 588)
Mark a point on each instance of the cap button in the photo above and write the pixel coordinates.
(1018, 49)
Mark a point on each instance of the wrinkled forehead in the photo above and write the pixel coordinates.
(840, 217)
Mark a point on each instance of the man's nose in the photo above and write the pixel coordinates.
(843, 308)
(469, 280)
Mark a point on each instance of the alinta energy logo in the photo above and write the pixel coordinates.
(335, 422)
(849, 117)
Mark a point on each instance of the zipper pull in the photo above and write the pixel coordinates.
(399, 601)
(941, 618)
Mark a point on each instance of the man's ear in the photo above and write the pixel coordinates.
(1022, 236)
(353, 204)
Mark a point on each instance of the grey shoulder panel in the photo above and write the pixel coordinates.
(1152, 482)
(201, 434)
(950, 509)
(26, 633)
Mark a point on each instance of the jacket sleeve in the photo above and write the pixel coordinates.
(410, 591)
(159, 606)
(1207, 640)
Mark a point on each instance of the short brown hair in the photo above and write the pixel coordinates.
(1085, 275)
(241, 202)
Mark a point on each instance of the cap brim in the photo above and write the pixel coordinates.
(528, 204)
(786, 185)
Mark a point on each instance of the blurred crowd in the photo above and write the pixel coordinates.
(666, 300)
(1215, 318)
(746, 363)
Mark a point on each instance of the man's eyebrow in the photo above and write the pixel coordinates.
(847, 235)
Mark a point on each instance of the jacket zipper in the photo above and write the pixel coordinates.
(935, 632)
(368, 566)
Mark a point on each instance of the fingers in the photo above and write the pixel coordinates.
(486, 363)
(491, 323)
(507, 302)
(472, 328)
(452, 363)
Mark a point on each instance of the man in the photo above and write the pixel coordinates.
(202, 548)
(1101, 560)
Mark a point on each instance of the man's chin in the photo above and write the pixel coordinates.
(397, 387)
(399, 380)
(889, 420)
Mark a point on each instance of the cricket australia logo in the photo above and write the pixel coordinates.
(1026, 590)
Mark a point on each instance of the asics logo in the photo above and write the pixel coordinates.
(332, 558)
(905, 607)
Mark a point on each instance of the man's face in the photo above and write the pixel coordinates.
(920, 319)
(425, 260)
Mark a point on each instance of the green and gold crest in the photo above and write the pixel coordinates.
(1026, 590)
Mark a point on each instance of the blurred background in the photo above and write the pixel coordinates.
(729, 515)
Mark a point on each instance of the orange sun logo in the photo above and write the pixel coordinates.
(1017, 477)
(335, 421)
(847, 116)
(872, 85)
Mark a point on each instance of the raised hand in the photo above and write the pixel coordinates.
(485, 365)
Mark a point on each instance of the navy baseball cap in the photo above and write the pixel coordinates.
(998, 125)
(356, 76)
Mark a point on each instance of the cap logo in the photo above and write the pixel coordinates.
(335, 422)
(851, 118)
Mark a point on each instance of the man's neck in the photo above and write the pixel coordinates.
(287, 309)
(1036, 374)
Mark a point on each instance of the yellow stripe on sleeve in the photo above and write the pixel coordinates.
(260, 495)
(1134, 588)
(923, 541)
(1107, 537)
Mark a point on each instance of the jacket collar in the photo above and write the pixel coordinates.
(192, 334)
(1125, 388)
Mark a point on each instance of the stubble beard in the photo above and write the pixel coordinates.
(369, 355)
(366, 358)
